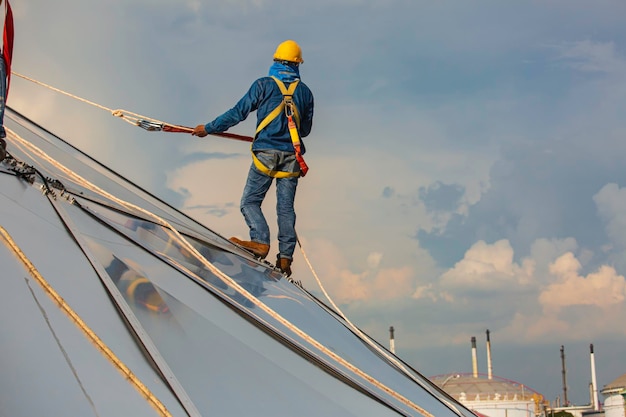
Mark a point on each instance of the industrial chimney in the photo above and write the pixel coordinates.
(565, 400)
(474, 362)
(392, 344)
(594, 383)
(489, 367)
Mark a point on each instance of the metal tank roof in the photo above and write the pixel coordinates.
(467, 387)
(617, 386)
(115, 303)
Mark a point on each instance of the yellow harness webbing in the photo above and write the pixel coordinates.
(291, 112)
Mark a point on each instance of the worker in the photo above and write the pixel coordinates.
(284, 106)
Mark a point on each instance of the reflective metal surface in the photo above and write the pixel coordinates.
(205, 327)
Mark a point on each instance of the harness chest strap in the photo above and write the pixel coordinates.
(291, 112)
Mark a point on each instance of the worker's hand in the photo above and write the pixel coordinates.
(199, 131)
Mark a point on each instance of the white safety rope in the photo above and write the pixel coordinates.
(134, 119)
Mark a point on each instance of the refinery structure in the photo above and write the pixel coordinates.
(615, 397)
(492, 396)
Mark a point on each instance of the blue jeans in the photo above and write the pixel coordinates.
(254, 194)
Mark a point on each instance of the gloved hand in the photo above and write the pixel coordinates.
(199, 131)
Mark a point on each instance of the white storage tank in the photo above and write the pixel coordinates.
(614, 394)
(494, 397)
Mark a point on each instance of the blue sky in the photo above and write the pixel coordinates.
(466, 159)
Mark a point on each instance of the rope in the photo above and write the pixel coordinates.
(130, 117)
(61, 91)
(174, 234)
(91, 335)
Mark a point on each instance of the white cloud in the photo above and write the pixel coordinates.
(214, 203)
(430, 292)
(364, 282)
(488, 266)
(544, 251)
(373, 260)
(569, 306)
(611, 203)
(543, 295)
(589, 56)
(600, 289)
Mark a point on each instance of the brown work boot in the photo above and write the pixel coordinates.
(284, 265)
(259, 249)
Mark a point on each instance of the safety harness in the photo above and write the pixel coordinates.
(291, 112)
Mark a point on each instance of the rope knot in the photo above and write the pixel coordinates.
(117, 113)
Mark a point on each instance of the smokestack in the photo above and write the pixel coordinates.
(489, 367)
(474, 362)
(565, 401)
(392, 344)
(594, 383)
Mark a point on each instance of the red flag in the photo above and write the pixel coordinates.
(7, 38)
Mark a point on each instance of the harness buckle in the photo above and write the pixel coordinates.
(288, 100)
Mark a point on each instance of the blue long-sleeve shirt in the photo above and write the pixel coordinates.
(264, 96)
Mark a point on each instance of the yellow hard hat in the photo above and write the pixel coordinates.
(289, 51)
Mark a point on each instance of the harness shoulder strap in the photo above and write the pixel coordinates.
(281, 107)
